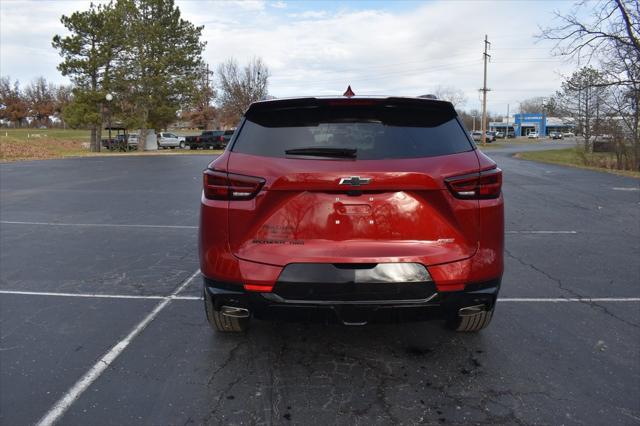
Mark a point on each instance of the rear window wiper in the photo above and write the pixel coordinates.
(324, 152)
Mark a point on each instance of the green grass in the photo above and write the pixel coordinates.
(43, 144)
(50, 134)
(502, 143)
(575, 157)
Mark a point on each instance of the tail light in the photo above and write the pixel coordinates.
(484, 185)
(197, 138)
(220, 138)
(219, 185)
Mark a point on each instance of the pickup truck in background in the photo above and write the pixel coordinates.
(209, 139)
(170, 140)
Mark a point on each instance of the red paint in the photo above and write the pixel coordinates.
(408, 213)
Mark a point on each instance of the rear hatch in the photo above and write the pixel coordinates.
(352, 181)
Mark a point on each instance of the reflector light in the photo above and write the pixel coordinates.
(260, 288)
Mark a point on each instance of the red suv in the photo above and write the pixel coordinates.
(351, 209)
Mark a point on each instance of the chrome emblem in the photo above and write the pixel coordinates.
(354, 181)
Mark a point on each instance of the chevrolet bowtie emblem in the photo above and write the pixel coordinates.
(354, 181)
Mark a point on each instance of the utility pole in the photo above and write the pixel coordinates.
(484, 91)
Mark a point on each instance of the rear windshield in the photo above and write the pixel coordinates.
(378, 132)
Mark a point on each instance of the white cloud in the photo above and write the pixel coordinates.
(250, 5)
(320, 49)
(309, 14)
(278, 5)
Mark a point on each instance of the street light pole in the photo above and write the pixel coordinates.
(474, 123)
(109, 97)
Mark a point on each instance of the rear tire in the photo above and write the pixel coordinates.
(471, 323)
(221, 323)
(181, 145)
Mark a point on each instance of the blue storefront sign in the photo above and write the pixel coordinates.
(526, 123)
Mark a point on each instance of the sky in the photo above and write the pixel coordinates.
(403, 48)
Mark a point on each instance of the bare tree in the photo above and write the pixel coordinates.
(607, 31)
(239, 88)
(584, 97)
(13, 106)
(63, 96)
(540, 104)
(201, 112)
(40, 97)
(451, 94)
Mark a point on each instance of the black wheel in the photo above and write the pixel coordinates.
(181, 145)
(222, 323)
(470, 323)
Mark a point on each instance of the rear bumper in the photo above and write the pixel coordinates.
(435, 305)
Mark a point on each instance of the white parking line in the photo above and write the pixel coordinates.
(63, 404)
(97, 295)
(89, 295)
(540, 232)
(626, 188)
(98, 225)
(122, 225)
(174, 296)
(569, 299)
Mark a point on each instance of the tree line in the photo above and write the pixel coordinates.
(603, 95)
(39, 103)
(140, 63)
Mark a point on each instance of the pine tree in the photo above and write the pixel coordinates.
(90, 54)
(162, 65)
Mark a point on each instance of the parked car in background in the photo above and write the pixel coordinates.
(209, 139)
(477, 136)
(499, 135)
(169, 140)
(555, 135)
(355, 209)
(132, 140)
(533, 135)
(226, 136)
(568, 134)
(491, 137)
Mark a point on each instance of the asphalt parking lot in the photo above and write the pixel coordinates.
(98, 258)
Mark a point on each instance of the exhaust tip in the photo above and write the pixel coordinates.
(234, 312)
(471, 310)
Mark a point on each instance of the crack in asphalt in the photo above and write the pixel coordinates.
(571, 292)
(214, 374)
